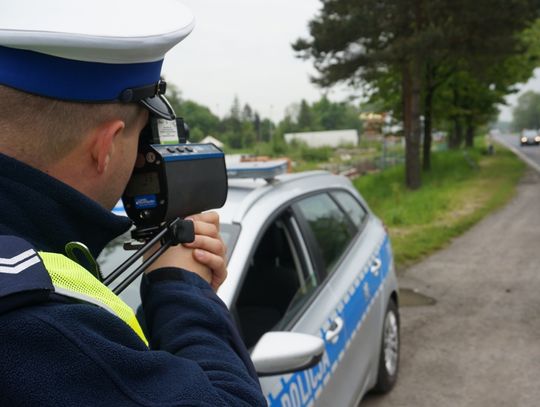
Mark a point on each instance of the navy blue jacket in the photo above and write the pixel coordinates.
(56, 352)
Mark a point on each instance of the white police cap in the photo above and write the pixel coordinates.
(91, 51)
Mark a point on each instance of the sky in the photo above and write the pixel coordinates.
(243, 48)
(533, 84)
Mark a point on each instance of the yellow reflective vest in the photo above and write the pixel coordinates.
(72, 280)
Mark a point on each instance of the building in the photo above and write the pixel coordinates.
(331, 138)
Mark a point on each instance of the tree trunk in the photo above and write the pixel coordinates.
(411, 124)
(428, 117)
(469, 133)
(456, 136)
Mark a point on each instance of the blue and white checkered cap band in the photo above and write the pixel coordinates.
(73, 80)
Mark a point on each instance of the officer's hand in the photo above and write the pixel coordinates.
(208, 246)
(205, 256)
(180, 257)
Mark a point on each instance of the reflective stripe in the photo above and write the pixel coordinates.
(10, 261)
(19, 267)
(74, 281)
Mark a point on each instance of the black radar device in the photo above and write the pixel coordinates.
(171, 180)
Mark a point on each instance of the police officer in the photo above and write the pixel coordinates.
(78, 81)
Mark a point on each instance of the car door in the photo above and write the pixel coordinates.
(282, 292)
(332, 231)
(359, 286)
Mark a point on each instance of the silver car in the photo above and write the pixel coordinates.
(312, 288)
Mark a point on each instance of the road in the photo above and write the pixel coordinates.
(529, 154)
(479, 344)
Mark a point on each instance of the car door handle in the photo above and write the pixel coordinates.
(332, 335)
(376, 266)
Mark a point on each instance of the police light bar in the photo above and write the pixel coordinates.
(267, 170)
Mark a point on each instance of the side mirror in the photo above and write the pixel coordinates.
(286, 352)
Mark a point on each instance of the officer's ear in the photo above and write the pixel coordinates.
(103, 143)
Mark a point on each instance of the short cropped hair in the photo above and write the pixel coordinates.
(40, 130)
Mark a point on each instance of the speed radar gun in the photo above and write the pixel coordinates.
(171, 180)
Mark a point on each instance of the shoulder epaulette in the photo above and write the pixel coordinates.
(23, 277)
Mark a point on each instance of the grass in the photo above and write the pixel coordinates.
(460, 190)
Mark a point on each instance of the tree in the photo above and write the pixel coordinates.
(362, 41)
(198, 117)
(257, 126)
(469, 98)
(305, 121)
(239, 127)
(335, 115)
(321, 115)
(242, 127)
(480, 59)
(267, 128)
(358, 41)
(287, 125)
(526, 114)
(235, 111)
(247, 113)
(231, 125)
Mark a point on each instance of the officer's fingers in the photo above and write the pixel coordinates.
(211, 244)
(205, 228)
(215, 263)
(206, 217)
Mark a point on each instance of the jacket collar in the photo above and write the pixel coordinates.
(48, 213)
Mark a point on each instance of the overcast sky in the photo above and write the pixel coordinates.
(242, 47)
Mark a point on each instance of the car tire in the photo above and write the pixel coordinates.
(390, 350)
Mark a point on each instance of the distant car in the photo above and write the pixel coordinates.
(311, 286)
(529, 137)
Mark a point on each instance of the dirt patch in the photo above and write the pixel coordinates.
(409, 297)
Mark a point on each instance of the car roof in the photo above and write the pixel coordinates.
(243, 194)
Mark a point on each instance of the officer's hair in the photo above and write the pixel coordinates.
(40, 130)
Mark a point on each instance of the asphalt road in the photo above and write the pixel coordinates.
(529, 153)
(479, 344)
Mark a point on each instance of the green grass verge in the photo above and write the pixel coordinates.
(461, 189)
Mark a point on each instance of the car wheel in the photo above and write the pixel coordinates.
(389, 355)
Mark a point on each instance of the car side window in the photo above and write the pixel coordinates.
(351, 206)
(277, 283)
(329, 225)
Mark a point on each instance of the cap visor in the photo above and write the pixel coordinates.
(159, 107)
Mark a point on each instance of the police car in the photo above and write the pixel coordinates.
(311, 285)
